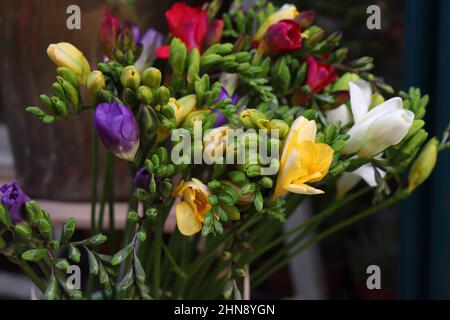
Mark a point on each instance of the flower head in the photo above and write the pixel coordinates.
(286, 12)
(191, 26)
(303, 160)
(375, 130)
(14, 200)
(118, 129)
(319, 75)
(64, 54)
(194, 205)
(284, 36)
(109, 31)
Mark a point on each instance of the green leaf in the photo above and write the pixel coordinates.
(122, 255)
(34, 254)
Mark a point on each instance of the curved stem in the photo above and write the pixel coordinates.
(401, 194)
(33, 276)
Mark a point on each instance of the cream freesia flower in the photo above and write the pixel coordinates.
(215, 141)
(65, 54)
(303, 160)
(375, 130)
(190, 212)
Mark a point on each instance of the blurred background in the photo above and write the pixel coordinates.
(410, 242)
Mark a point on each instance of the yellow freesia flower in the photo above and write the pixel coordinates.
(64, 54)
(182, 107)
(190, 212)
(286, 12)
(303, 160)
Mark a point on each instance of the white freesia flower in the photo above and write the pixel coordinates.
(348, 180)
(375, 130)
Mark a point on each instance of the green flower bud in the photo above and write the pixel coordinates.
(166, 187)
(266, 182)
(133, 216)
(424, 164)
(94, 83)
(130, 78)
(148, 122)
(250, 117)
(72, 96)
(68, 75)
(151, 213)
(151, 77)
(45, 229)
(377, 99)
(62, 264)
(58, 91)
(145, 95)
(198, 115)
(162, 95)
(274, 124)
(23, 230)
(5, 218)
(54, 245)
(178, 54)
(33, 211)
(238, 177)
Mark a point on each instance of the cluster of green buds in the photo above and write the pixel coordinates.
(65, 101)
(33, 240)
(126, 50)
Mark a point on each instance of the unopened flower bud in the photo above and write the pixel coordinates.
(424, 164)
(274, 124)
(162, 95)
(130, 78)
(94, 83)
(64, 54)
(250, 117)
(23, 230)
(151, 77)
(145, 95)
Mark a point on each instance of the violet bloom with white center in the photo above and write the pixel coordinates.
(117, 129)
(221, 118)
(14, 201)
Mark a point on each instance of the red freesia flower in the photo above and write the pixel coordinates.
(283, 36)
(319, 75)
(190, 26)
(109, 30)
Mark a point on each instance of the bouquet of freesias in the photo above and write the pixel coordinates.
(228, 123)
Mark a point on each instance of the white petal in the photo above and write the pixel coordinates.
(346, 182)
(366, 172)
(366, 89)
(387, 130)
(358, 102)
(340, 113)
(391, 105)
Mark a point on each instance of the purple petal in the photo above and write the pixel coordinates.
(151, 40)
(14, 199)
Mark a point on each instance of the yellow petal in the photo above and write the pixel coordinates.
(65, 54)
(287, 12)
(302, 189)
(187, 221)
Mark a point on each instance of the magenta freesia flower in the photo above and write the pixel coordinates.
(14, 200)
(221, 118)
(117, 129)
(284, 36)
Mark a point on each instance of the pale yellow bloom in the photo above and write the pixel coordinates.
(64, 54)
(182, 107)
(215, 142)
(424, 164)
(190, 212)
(303, 160)
(286, 12)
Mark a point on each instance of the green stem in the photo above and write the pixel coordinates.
(315, 218)
(105, 191)
(157, 256)
(94, 164)
(33, 276)
(401, 194)
(111, 198)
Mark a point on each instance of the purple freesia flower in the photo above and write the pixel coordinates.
(221, 118)
(14, 200)
(117, 129)
(142, 178)
(150, 40)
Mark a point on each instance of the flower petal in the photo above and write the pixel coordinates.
(302, 189)
(187, 222)
(340, 113)
(359, 104)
